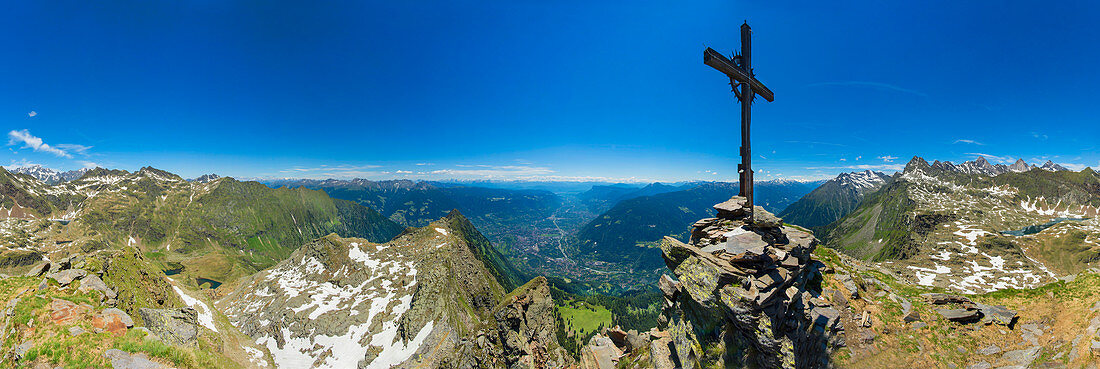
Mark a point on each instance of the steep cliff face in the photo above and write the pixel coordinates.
(744, 295)
(520, 334)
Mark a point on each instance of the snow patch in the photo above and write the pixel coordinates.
(206, 318)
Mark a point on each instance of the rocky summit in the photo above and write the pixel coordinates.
(743, 295)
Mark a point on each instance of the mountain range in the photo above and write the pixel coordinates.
(50, 176)
(952, 226)
(289, 275)
(833, 199)
(215, 231)
(980, 166)
(223, 273)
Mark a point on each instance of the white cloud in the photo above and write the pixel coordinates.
(843, 159)
(493, 171)
(1074, 166)
(328, 168)
(35, 143)
(32, 114)
(74, 148)
(88, 164)
(403, 172)
(425, 164)
(1038, 135)
(972, 142)
(888, 158)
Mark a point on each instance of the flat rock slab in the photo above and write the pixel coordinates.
(704, 222)
(943, 298)
(113, 320)
(736, 203)
(959, 315)
(65, 277)
(39, 269)
(1022, 357)
(989, 350)
(741, 240)
(998, 314)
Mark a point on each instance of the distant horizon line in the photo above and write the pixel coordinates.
(559, 179)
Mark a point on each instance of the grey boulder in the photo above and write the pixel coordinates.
(175, 326)
(67, 276)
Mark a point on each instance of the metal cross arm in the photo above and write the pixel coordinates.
(724, 65)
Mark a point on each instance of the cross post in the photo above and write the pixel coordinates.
(739, 71)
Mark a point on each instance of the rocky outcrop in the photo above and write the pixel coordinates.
(521, 335)
(175, 326)
(744, 294)
(113, 320)
(67, 276)
(960, 309)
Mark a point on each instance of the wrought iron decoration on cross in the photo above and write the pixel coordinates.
(739, 71)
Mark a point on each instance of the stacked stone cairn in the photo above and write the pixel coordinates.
(747, 288)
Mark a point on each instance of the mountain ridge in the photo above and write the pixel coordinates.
(833, 199)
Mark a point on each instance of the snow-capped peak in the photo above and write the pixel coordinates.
(861, 180)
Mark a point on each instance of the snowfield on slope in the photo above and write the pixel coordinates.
(343, 318)
(954, 253)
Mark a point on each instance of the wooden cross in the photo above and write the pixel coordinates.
(739, 71)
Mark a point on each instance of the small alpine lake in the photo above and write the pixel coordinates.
(1033, 229)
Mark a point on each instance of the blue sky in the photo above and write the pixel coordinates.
(546, 90)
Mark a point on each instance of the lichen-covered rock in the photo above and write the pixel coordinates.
(113, 320)
(521, 335)
(660, 351)
(175, 326)
(745, 306)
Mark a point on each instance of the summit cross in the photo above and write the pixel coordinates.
(739, 71)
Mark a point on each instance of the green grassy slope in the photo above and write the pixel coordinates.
(227, 229)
